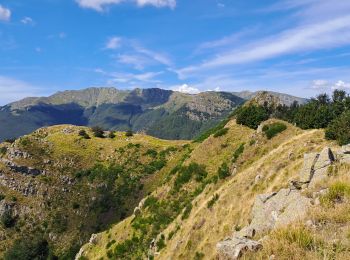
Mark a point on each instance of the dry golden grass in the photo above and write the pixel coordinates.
(277, 161)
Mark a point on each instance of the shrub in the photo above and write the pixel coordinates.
(83, 134)
(161, 243)
(339, 129)
(152, 153)
(7, 220)
(3, 150)
(111, 135)
(238, 152)
(223, 171)
(211, 131)
(199, 256)
(2, 196)
(273, 129)
(212, 201)
(187, 211)
(186, 172)
(29, 248)
(129, 133)
(221, 132)
(251, 116)
(98, 131)
(10, 140)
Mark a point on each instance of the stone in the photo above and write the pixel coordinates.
(278, 209)
(309, 161)
(93, 239)
(325, 159)
(345, 149)
(257, 179)
(233, 248)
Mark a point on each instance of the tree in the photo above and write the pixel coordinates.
(339, 129)
(98, 131)
(29, 248)
(251, 115)
(129, 133)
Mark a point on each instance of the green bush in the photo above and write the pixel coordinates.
(111, 135)
(83, 134)
(98, 131)
(3, 150)
(29, 248)
(186, 213)
(224, 171)
(187, 172)
(238, 152)
(251, 116)
(161, 243)
(129, 133)
(7, 220)
(339, 129)
(152, 153)
(273, 129)
(221, 132)
(212, 201)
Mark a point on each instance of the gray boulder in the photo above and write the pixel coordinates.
(233, 248)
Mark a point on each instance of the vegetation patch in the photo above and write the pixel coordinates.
(221, 132)
(238, 152)
(271, 130)
(251, 115)
(336, 194)
(211, 202)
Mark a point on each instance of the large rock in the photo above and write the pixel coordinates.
(277, 209)
(325, 159)
(309, 161)
(233, 248)
(316, 166)
(344, 154)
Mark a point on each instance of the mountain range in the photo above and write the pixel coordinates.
(157, 112)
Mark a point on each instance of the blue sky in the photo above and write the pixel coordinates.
(301, 47)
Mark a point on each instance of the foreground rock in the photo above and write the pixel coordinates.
(278, 209)
(234, 248)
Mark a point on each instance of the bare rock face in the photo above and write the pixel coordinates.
(21, 169)
(275, 210)
(309, 161)
(234, 248)
(316, 166)
(344, 154)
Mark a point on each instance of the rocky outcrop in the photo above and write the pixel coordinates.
(21, 169)
(343, 154)
(278, 209)
(234, 248)
(316, 166)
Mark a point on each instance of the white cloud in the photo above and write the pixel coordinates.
(186, 89)
(12, 90)
(320, 84)
(114, 77)
(100, 5)
(341, 85)
(159, 57)
(5, 14)
(27, 20)
(157, 3)
(113, 43)
(303, 38)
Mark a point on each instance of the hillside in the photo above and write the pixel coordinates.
(209, 196)
(161, 113)
(58, 187)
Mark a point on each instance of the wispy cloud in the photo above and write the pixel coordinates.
(332, 33)
(101, 5)
(13, 89)
(27, 20)
(113, 43)
(132, 78)
(5, 13)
